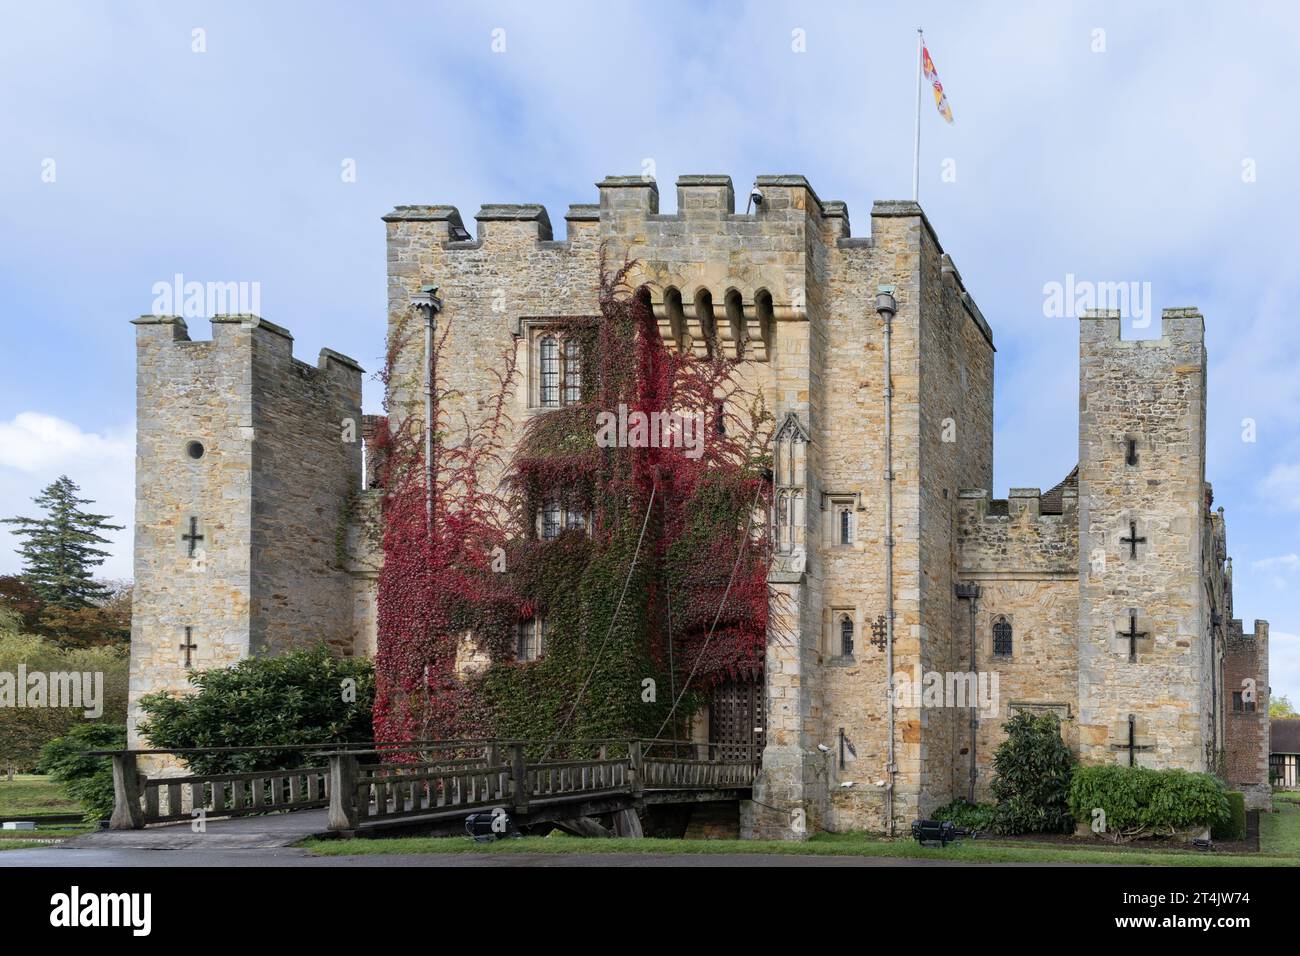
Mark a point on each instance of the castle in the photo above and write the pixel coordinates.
(1106, 600)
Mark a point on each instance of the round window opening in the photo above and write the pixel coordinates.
(195, 450)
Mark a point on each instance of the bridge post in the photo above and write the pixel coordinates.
(127, 814)
(519, 778)
(636, 769)
(344, 812)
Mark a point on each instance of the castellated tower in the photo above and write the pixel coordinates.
(785, 288)
(1149, 639)
(247, 462)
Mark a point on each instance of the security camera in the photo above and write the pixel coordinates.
(846, 784)
(823, 748)
(755, 198)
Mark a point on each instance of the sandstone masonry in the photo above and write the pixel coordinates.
(785, 288)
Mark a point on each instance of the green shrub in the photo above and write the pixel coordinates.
(1032, 767)
(1234, 828)
(88, 780)
(1140, 802)
(969, 816)
(25, 730)
(294, 699)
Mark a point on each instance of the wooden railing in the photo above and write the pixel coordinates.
(140, 800)
(234, 794)
(364, 785)
(670, 765)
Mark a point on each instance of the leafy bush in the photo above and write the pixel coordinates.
(1234, 828)
(294, 699)
(1141, 802)
(25, 730)
(969, 816)
(1032, 782)
(88, 780)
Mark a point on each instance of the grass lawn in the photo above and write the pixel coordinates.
(33, 796)
(847, 844)
(1279, 833)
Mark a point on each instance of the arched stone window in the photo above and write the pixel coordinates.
(846, 636)
(1001, 637)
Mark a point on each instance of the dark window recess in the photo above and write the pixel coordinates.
(1001, 637)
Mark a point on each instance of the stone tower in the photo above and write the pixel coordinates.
(784, 287)
(1146, 651)
(247, 461)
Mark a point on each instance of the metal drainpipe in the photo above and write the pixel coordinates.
(427, 302)
(886, 307)
(971, 593)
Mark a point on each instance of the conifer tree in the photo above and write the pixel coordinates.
(61, 548)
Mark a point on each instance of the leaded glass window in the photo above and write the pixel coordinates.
(1001, 637)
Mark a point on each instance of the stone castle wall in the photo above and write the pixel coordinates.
(246, 440)
(1025, 563)
(787, 289)
(306, 478)
(1150, 393)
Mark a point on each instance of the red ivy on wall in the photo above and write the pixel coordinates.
(706, 534)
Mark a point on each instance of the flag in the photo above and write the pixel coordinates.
(940, 97)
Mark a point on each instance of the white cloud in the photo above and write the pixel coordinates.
(36, 448)
(1285, 562)
(1276, 569)
(1284, 664)
(34, 443)
(1282, 485)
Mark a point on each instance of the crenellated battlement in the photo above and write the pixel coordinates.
(701, 199)
(1179, 327)
(1020, 504)
(242, 331)
(1028, 531)
(718, 278)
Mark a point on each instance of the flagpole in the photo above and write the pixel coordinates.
(916, 145)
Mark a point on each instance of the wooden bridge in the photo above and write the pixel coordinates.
(432, 786)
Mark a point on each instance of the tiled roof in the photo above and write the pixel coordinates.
(1285, 734)
(1052, 500)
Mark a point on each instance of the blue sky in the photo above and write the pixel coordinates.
(1118, 160)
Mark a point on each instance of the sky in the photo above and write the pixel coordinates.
(1113, 142)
